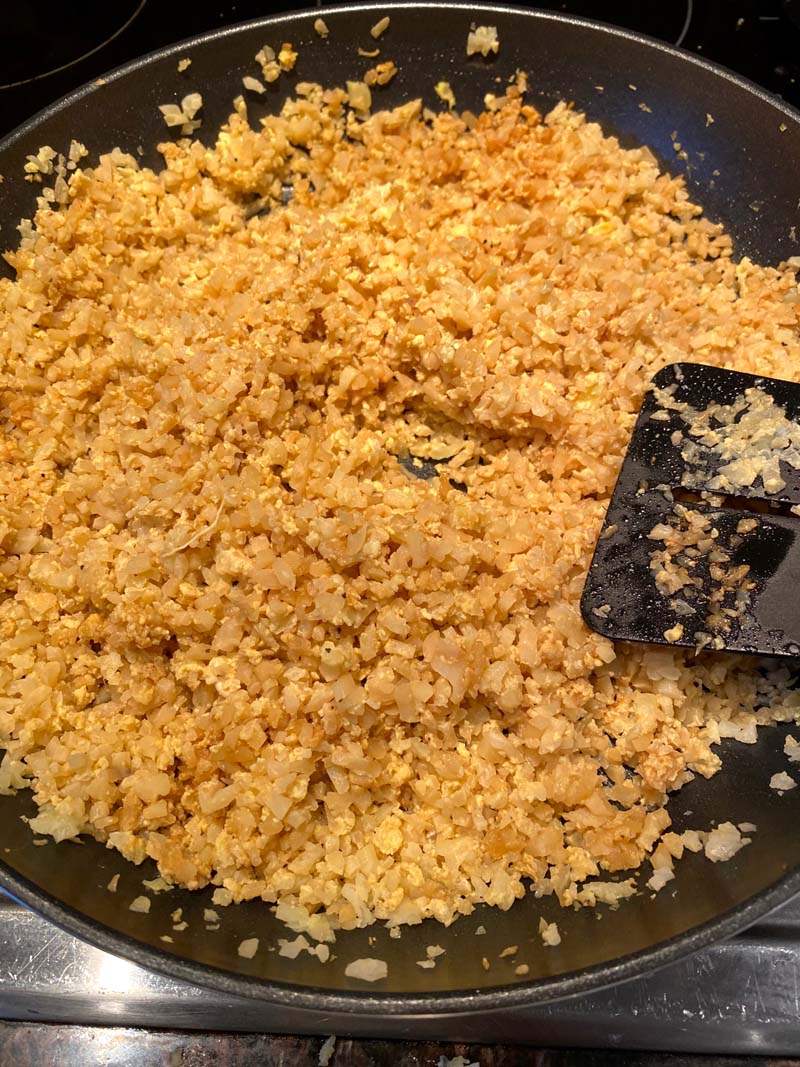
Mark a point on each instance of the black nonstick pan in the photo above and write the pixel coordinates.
(740, 152)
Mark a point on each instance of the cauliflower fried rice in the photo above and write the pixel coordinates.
(236, 635)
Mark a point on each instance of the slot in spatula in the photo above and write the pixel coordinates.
(699, 547)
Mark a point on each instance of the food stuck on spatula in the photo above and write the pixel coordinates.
(699, 545)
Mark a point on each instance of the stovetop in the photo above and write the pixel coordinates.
(52, 47)
(742, 996)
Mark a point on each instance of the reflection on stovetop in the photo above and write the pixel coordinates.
(740, 996)
(61, 46)
(51, 37)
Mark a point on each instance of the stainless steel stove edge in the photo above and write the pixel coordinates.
(741, 996)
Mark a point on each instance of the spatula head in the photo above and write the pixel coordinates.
(699, 546)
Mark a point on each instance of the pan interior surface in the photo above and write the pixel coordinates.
(744, 168)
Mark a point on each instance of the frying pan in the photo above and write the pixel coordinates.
(744, 167)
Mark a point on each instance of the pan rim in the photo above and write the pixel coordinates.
(536, 992)
(356, 1002)
(537, 14)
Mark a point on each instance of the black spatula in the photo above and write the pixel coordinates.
(699, 547)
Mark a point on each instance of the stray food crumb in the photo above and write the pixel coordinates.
(709, 119)
(156, 885)
(692, 838)
(675, 633)
(248, 948)
(381, 74)
(210, 916)
(445, 93)
(180, 927)
(722, 843)
(522, 969)
(644, 107)
(481, 930)
(191, 104)
(660, 878)
(432, 952)
(326, 1052)
(292, 949)
(270, 68)
(183, 116)
(456, 1061)
(549, 933)
(40, 163)
(168, 939)
(287, 57)
(782, 782)
(600, 88)
(791, 746)
(632, 87)
(485, 963)
(367, 970)
(184, 64)
(112, 885)
(140, 904)
(177, 915)
(483, 39)
(369, 53)
(321, 27)
(511, 950)
(253, 84)
(380, 27)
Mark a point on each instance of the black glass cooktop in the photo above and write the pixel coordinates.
(52, 47)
